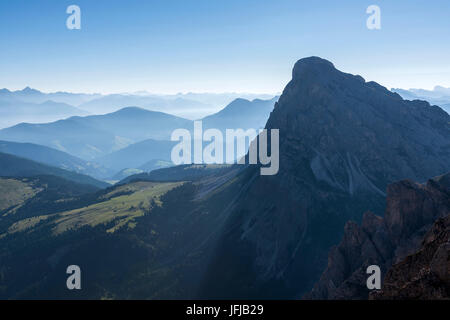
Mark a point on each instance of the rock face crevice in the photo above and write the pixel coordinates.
(420, 258)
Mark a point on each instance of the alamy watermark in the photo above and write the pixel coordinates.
(74, 280)
(74, 20)
(374, 20)
(374, 280)
(238, 139)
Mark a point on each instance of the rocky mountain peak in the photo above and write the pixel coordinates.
(312, 66)
(342, 142)
(345, 125)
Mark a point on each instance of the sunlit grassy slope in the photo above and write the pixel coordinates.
(119, 207)
(14, 192)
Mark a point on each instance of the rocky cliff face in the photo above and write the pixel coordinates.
(424, 274)
(420, 267)
(342, 141)
(357, 135)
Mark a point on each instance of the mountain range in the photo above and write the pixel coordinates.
(225, 231)
(30, 95)
(13, 112)
(95, 136)
(189, 105)
(31, 105)
(177, 106)
(132, 136)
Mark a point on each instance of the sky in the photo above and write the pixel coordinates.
(171, 46)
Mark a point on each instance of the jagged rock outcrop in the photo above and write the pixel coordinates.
(424, 274)
(411, 210)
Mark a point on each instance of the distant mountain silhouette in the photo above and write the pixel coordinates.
(31, 105)
(241, 113)
(101, 137)
(137, 124)
(12, 166)
(54, 158)
(35, 96)
(95, 136)
(15, 111)
(187, 105)
(138, 154)
(220, 100)
(439, 96)
(174, 105)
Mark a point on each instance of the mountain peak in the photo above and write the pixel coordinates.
(131, 110)
(311, 64)
(318, 70)
(29, 90)
(238, 101)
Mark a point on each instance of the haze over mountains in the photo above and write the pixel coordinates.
(218, 231)
(190, 105)
(35, 96)
(137, 154)
(131, 137)
(55, 158)
(31, 105)
(439, 96)
(241, 113)
(171, 232)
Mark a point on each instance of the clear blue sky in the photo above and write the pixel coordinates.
(170, 46)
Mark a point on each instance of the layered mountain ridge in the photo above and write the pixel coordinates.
(99, 136)
(226, 231)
